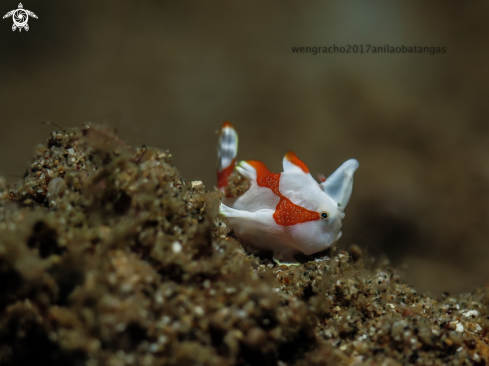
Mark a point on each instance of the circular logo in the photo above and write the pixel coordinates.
(20, 18)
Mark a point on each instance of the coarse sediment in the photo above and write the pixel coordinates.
(109, 257)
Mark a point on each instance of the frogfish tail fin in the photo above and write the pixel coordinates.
(226, 154)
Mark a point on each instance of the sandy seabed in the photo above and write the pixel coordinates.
(109, 257)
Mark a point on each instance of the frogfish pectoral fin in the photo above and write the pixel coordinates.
(227, 211)
(247, 170)
(285, 257)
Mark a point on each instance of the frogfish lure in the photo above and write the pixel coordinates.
(288, 212)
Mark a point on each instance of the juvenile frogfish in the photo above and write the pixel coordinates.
(289, 212)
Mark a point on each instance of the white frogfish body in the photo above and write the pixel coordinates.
(288, 212)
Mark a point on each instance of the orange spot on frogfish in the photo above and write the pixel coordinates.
(222, 177)
(286, 213)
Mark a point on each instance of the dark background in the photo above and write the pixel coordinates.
(168, 73)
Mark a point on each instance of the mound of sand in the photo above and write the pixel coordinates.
(109, 257)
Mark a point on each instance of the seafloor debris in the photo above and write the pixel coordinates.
(109, 257)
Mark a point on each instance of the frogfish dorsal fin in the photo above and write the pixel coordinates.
(292, 164)
(340, 184)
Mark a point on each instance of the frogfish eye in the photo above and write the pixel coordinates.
(324, 215)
